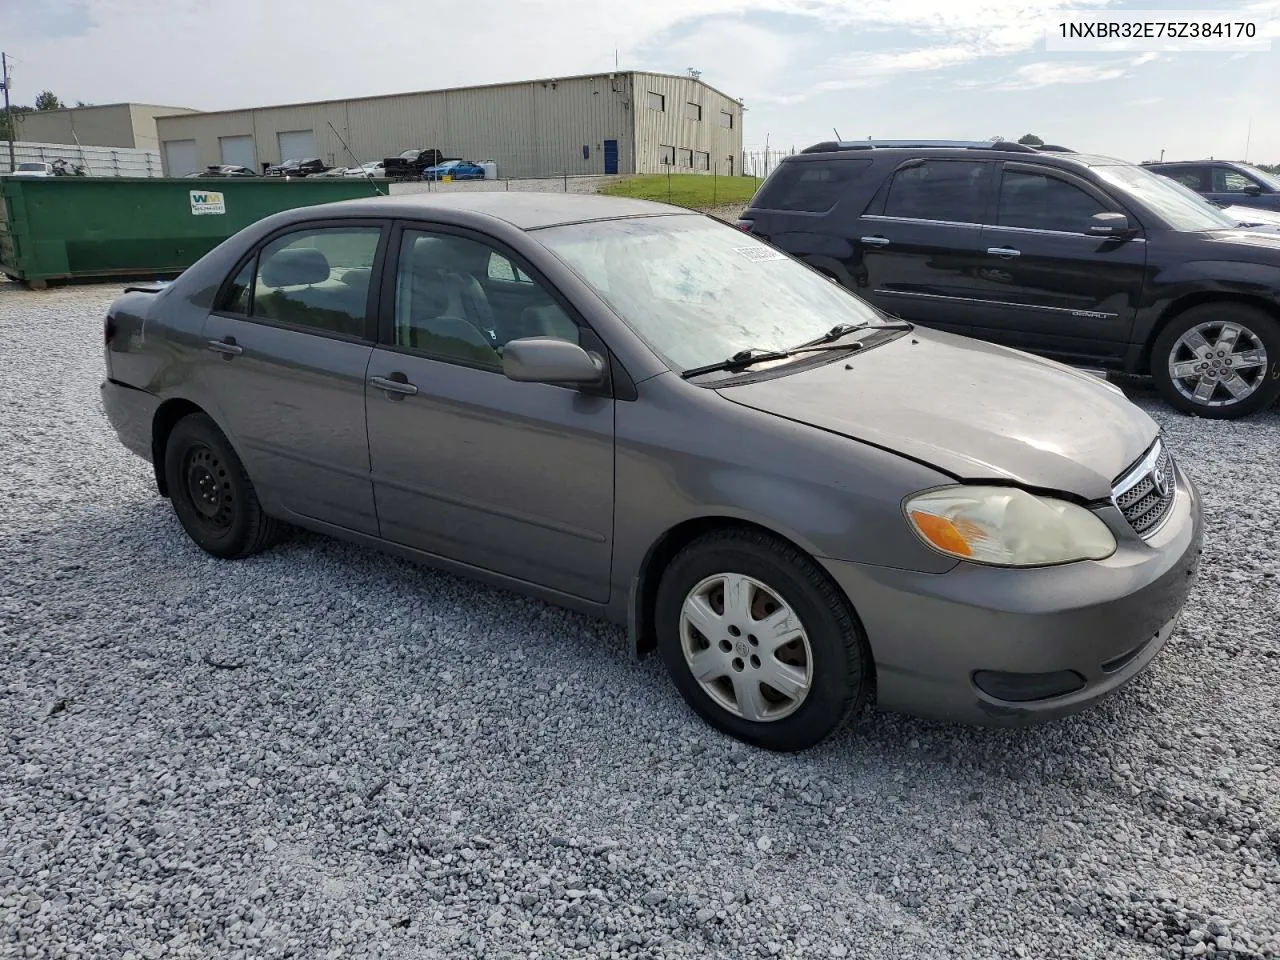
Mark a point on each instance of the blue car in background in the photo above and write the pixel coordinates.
(458, 169)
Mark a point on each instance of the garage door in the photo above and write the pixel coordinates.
(180, 157)
(238, 151)
(298, 145)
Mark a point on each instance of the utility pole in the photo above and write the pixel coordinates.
(8, 108)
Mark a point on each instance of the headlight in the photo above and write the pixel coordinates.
(1008, 527)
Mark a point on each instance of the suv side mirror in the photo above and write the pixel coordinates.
(1253, 190)
(551, 360)
(1114, 225)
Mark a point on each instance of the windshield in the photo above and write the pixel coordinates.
(698, 291)
(32, 166)
(1270, 179)
(1180, 208)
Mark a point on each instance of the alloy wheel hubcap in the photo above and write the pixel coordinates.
(1217, 364)
(746, 647)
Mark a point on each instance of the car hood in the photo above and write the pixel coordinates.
(971, 409)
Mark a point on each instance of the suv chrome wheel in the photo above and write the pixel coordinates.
(1217, 364)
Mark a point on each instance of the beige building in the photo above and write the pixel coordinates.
(622, 122)
(129, 125)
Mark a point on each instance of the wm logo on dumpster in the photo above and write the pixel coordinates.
(204, 202)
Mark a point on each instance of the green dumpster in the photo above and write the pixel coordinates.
(70, 228)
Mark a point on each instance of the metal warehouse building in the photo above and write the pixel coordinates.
(622, 122)
(128, 125)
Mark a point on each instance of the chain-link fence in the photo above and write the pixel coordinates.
(97, 161)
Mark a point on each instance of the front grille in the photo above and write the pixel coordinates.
(1146, 493)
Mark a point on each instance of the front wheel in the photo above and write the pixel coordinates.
(1220, 361)
(760, 642)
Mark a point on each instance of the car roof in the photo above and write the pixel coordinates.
(525, 211)
(938, 149)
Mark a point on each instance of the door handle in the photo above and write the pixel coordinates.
(1004, 252)
(875, 241)
(393, 387)
(227, 347)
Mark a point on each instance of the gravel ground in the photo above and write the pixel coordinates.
(325, 752)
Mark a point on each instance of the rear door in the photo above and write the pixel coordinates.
(1050, 286)
(919, 244)
(287, 350)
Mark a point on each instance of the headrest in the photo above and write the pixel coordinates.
(295, 267)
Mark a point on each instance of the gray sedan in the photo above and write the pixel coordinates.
(644, 414)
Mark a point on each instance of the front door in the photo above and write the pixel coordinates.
(1052, 287)
(919, 243)
(514, 478)
(611, 156)
(287, 352)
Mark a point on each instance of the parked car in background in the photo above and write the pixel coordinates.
(374, 168)
(410, 164)
(1225, 181)
(223, 170)
(332, 172)
(454, 169)
(33, 168)
(297, 168)
(1254, 219)
(635, 411)
(1081, 258)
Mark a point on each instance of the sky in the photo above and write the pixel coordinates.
(939, 69)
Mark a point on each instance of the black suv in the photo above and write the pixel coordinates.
(1225, 181)
(1085, 259)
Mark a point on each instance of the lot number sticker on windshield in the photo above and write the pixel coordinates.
(204, 202)
(759, 254)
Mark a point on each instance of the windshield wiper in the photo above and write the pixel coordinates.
(753, 355)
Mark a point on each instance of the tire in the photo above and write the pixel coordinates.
(200, 463)
(839, 666)
(1256, 343)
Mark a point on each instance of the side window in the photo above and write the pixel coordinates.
(938, 190)
(500, 268)
(317, 279)
(813, 186)
(1229, 181)
(444, 310)
(1193, 177)
(1043, 202)
(239, 296)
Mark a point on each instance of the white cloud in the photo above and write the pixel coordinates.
(1048, 73)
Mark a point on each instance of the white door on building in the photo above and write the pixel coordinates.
(298, 145)
(180, 157)
(238, 151)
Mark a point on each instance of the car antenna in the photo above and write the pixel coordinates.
(837, 133)
(359, 165)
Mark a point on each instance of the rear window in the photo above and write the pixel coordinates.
(811, 186)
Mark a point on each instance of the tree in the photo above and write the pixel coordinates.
(5, 132)
(48, 100)
(1031, 140)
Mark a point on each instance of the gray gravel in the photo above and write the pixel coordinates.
(325, 752)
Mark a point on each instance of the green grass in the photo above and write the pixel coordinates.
(695, 190)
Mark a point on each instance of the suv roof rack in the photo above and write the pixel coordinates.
(832, 146)
(1053, 148)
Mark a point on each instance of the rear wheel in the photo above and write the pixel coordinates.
(759, 642)
(211, 493)
(1219, 361)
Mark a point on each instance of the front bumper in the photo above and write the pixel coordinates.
(131, 412)
(1104, 620)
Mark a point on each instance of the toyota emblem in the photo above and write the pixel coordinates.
(1160, 481)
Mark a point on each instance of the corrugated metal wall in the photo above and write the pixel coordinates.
(676, 127)
(531, 129)
(109, 126)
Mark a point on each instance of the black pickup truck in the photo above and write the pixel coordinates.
(410, 164)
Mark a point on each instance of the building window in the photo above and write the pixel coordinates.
(657, 102)
(726, 119)
(686, 158)
(702, 161)
(667, 155)
(693, 111)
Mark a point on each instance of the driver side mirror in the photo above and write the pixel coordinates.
(1113, 225)
(1253, 190)
(551, 360)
